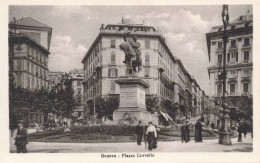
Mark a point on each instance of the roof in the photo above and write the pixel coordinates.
(29, 22)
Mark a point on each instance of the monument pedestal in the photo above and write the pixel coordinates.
(132, 106)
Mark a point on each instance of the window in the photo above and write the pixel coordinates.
(113, 59)
(113, 87)
(37, 70)
(220, 58)
(245, 87)
(219, 89)
(246, 41)
(112, 72)
(147, 60)
(146, 72)
(246, 55)
(232, 88)
(233, 43)
(246, 72)
(79, 91)
(147, 44)
(78, 83)
(28, 83)
(113, 43)
(233, 57)
(228, 58)
(28, 51)
(220, 45)
(28, 66)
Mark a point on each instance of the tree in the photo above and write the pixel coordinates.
(240, 108)
(105, 106)
(152, 103)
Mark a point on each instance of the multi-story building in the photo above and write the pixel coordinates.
(188, 94)
(239, 57)
(104, 60)
(29, 43)
(76, 77)
(55, 78)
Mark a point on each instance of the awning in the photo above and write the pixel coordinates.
(166, 116)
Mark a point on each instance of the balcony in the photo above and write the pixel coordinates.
(161, 68)
(246, 94)
(246, 46)
(246, 61)
(233, 48)
(234, 94)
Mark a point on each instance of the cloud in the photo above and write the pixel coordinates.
(185, 36)
(64, 55)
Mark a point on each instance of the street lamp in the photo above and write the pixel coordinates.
(94, 89)
(224, 136)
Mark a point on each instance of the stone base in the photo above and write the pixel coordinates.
(121, 115)
(224, 138)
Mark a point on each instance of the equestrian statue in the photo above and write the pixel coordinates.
(133, 59)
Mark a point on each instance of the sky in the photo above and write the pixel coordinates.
(74, 28)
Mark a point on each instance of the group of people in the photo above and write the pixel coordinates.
(242, 128)
(150, 136)
(185, 132)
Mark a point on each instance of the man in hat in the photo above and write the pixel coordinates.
(21, 138)
(139, 131)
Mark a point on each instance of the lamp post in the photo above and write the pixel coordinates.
(224, 136)
(94, 102)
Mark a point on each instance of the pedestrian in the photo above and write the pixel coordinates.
(36, 126)
(21, 138)
(151, 135)
(198, 130)
(185, 132)
(212, 125)
(139, 131)
(240, 130)
(245, 128)
(157, 131)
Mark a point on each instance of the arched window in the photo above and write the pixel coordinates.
(113, 58)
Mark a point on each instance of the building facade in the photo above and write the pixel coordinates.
(29, 42)
(76, 77)
(103, 64)
(239, 58)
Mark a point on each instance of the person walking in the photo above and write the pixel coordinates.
(245, 129)
(151, 135)
(139, 131)
(212, 125)
(21, 138)
(198, 130)
(185, 132)
(240, 130)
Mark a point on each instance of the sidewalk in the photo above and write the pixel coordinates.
(172, 146)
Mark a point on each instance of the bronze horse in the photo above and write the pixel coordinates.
(133, 60)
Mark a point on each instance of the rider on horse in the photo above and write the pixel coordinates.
(135, 45)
